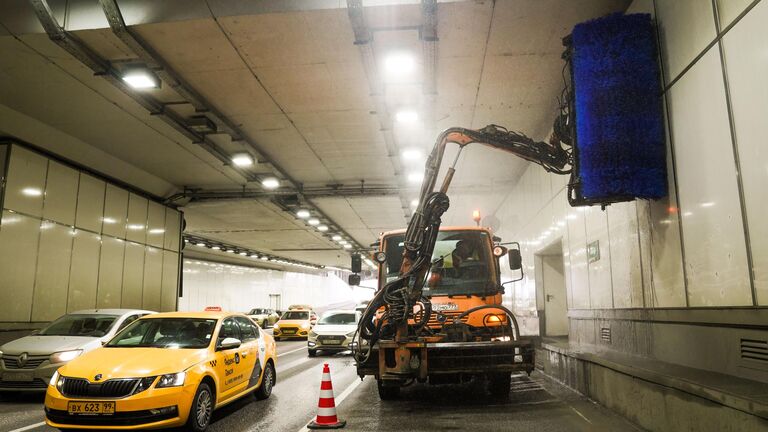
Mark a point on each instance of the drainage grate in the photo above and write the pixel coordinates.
(755, 350)
(605, 334)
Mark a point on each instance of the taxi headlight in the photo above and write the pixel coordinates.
(54, 379)
(276, 326)
(305, 326)
(171, 380)
(64, 356)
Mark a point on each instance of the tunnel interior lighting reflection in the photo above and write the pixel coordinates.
(412, 154)
(406, 116)
(414, 203)
(32, 192)
(416, 177)
(399, 64)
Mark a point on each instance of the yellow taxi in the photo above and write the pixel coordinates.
(294, 324)
(164, 370)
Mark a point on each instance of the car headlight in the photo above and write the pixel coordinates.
(305, 326)
(54, 379)
(171, 380)
(64, 356)
(144, 384)
(276, 326)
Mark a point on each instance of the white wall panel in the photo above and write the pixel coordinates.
(137, 219)
(151, 298)
(133, 276)
(115, 212)
(577, 234)
(746, 58)
(60, 194)
(172, 229)
(600, 284)
(730, 9)
(685, 27)
(155, 225)
(18, 258)
(52, 279)
(84, 271)
(625, 271)
(90, 203)
(25, 184)
(713, 233)
(168, 297)
(110, 272)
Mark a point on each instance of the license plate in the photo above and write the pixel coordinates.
(332, 342)
(289, 331)
(17, 376)
(91, 408)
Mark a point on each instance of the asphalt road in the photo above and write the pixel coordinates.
(535, 404)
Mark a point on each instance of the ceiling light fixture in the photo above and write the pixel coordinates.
(264, 258)
(141, 78)
(303, 213)
(406, 116)
(336, 237)
(243, 253)
(159, 231)
(322, 228)
(270, 183)
(201, 244)
(399, 64)
(109, 220)
(412, 154)
(33, 192)
(347, 246)
(242, 160)
(313, 221)
(416, 177)
(135, 227)
(216, 247)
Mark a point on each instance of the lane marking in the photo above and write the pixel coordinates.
(581, 415)
(296, 350)
(347, 391)
(32, 426)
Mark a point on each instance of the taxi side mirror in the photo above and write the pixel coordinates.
(228, 344)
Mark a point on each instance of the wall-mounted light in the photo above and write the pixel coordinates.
(140, 78)
(270, 183)
(242, 160)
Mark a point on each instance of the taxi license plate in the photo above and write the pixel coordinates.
(332, 342)
(289, 331)
(17, 376)
(91, 408)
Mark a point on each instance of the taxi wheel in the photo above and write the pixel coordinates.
(202, 407)
(312, 353)
(277, 338)
(265, 389)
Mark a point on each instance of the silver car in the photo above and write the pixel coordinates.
(333, 332)
(27, 364)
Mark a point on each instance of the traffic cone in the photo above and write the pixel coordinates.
(326, 406)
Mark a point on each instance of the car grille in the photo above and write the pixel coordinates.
(12, 362)
(125, 418)
(331, 338)
(22, 385)
(450, 316)
(114, 388)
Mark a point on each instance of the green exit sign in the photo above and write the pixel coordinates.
(593, 251)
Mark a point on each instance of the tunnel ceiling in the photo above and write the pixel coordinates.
(290, 77)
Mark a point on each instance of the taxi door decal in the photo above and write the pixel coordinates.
(256, 372)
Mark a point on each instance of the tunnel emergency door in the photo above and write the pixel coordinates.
(555, 306)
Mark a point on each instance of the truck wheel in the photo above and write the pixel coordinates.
(499, 384)
(388, 392)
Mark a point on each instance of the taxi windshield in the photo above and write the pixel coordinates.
(339, 319)
(462, 263)
(93, 325)
(295, 315)
(166, 333)
(258, 311)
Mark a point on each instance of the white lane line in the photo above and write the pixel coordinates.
(296, 350)
(347, 391)
(26, 428)
(581, 415)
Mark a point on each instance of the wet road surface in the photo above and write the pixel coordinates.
(535, 404)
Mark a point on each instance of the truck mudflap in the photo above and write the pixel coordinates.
(392, 361)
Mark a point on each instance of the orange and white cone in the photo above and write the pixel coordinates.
(326, 407)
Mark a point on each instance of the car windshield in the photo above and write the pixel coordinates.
(258, 311)
(295, 315)
(462, 263)
(166, 333)
(339, 319)
(93, 325)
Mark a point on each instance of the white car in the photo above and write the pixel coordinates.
(333, 332)
(27, 364)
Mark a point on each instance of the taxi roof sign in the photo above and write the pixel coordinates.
(213, 308)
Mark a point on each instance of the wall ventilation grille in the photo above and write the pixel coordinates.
(755, 350)
(605, 334)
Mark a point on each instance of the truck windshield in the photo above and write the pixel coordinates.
(462, 263)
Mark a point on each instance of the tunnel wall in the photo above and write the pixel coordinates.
(682, 279)
(71, 240)
(240, 288)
